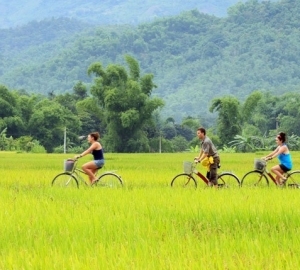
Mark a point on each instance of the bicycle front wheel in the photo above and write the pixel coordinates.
(184, 180)
(65, 180)
(110, 180)
(255, 179)
(293, 179)
(228, 179)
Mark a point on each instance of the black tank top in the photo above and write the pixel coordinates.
(98, 154)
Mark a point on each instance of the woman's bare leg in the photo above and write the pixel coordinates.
(90, 168)
(279, 173)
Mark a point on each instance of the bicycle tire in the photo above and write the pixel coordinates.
(65, 179)
(228, 179)
(110, 180)
(255, 179)
(184, 180)
(293, 179)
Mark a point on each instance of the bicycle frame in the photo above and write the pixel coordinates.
(77, 172)
(287, 175)
(267, 173)
(204, 178)
(199, 174)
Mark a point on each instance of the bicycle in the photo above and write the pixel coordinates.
(260, 176)
(72, 176)
(187, 180)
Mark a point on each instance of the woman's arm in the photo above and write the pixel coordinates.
(273, 154)
(279, 151)
(89, 150)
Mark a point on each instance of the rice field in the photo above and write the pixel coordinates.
(146, 224)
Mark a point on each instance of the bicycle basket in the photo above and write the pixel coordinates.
(259, 164)
(69, 165)
(188, 167)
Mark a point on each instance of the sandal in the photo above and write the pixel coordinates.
(282, 182)
(94, 181)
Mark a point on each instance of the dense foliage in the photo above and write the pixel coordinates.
(242, 70)
(120, 106)
(194, 57)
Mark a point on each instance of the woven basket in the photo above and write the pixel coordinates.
(69, 165)
(187, 167)
(259, 164)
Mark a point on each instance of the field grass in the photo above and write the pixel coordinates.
(146, 224)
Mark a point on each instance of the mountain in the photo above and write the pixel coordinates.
(18, 12)
(194, 57)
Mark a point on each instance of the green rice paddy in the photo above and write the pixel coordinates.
(146, 224)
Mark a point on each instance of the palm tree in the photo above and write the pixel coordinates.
(248, 144)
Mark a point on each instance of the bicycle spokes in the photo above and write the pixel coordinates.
(293, 179)
(184, 181)
(254, 179)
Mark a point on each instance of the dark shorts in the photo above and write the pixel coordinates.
(284, 168)
(213, 173)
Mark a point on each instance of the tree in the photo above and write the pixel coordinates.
(228, 117)
(15, 126)
(248, 144)
(80, 91)
(7, 102)
(91, 115)
(180, 144)
(249, 106)
(127, 104)
(48, 122)
(3, 139)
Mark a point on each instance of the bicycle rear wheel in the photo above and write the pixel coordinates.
(255, 179)
(293, 179)
(110, 180)
(65, 180)
(228, 179)
(184, 180)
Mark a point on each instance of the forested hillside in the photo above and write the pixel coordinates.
(18, 12)
(194, 57)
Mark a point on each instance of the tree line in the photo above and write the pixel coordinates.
(120, 105)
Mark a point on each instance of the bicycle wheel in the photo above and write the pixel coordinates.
(255, 179)
(110, 180)
(293, 179)
(184, 180)
(228, 179)
(65, 180)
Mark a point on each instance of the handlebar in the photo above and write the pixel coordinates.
(73, 159)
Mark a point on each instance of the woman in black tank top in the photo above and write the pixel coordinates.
(97, 151)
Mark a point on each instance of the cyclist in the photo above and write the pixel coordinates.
(96, 150)
(284, 156)
(208, 150)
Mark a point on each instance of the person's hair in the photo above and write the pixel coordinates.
(282, 136)
(95, 135)
(202, 130)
